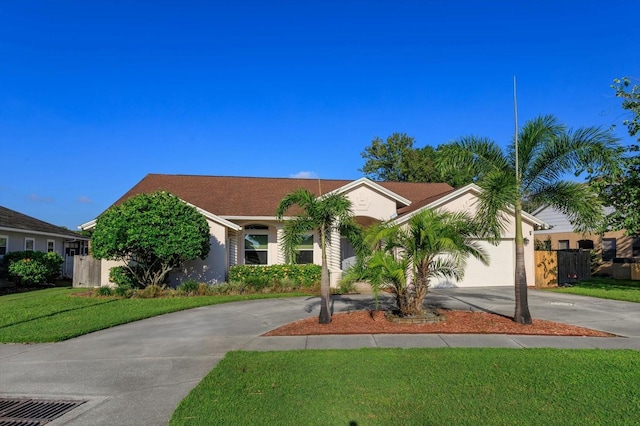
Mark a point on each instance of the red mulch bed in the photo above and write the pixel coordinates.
(457, 322)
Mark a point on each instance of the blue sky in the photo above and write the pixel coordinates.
(96, 94)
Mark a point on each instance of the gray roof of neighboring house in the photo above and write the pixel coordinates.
(16, 221)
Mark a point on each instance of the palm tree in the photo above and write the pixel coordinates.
(434, 244)
(547, 153)
(321, 215)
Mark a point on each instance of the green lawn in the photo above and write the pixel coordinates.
(605, 288)
(445, 386)
(55, 314)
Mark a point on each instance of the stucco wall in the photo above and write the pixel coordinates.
(211, 270)
(370, 203)
(468, 202)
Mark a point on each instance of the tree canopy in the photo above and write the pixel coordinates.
(622, 192)
(630, 94)
(396, 159)
(152, 234)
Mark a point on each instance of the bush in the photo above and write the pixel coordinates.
(28, 268)
(121, 276)
(259, 277)
(104, 291)
(230, 289)
(189, 287)
(151, 292)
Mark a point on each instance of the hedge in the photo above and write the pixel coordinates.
(303, 275)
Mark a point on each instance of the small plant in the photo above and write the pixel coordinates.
(104, 291)
(151, 292)
(203, 289)
(123, 290)
(121, 276)
(347, 287)
(189, 287)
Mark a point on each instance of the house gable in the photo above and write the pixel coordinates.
(465, 199)
(369, 199)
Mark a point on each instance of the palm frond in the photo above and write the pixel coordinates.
(578, 201)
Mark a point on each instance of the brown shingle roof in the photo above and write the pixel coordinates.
(251, 196)
(16, 220)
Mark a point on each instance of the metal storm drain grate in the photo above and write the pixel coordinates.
(33, 412)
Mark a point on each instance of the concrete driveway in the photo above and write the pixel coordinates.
(137, 373)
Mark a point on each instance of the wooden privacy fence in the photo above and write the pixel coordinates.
(86, 271)
(561, 267)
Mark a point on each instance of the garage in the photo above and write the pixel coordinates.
(500, 271)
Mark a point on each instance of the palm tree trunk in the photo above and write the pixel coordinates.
(325, 312)
(521, 314)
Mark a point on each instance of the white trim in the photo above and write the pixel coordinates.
(33, 240)
(88, 225)
(473, 188)
(217, 219)
(27, 231)
(251, 218)
(372, 185)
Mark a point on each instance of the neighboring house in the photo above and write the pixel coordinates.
(608, 246)
(19, 232)
(241, 215)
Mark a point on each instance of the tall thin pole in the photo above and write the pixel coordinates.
(515, 110)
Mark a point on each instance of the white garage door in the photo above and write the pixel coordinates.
(500, 271)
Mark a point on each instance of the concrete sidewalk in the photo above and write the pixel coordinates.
(137, 373)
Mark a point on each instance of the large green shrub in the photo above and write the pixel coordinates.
(152, 234)
(29, 268)
(303, 276)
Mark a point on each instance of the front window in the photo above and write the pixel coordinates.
(29, 244)
(255, 249)
(256, 245)
(608, 249)
(305, 251)
(4, 243)
(563, 245)
(51, 246)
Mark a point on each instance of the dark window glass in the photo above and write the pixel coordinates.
(635, 247)
(608, 249)
(305, 251)
(585, 244)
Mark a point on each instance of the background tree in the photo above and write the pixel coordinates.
(321, 215)
(630, 93)
(622, 192)
(547, 154)
(152, 234)
(433, 244)
(396, 159)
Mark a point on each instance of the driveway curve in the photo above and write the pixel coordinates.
(137, 373)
